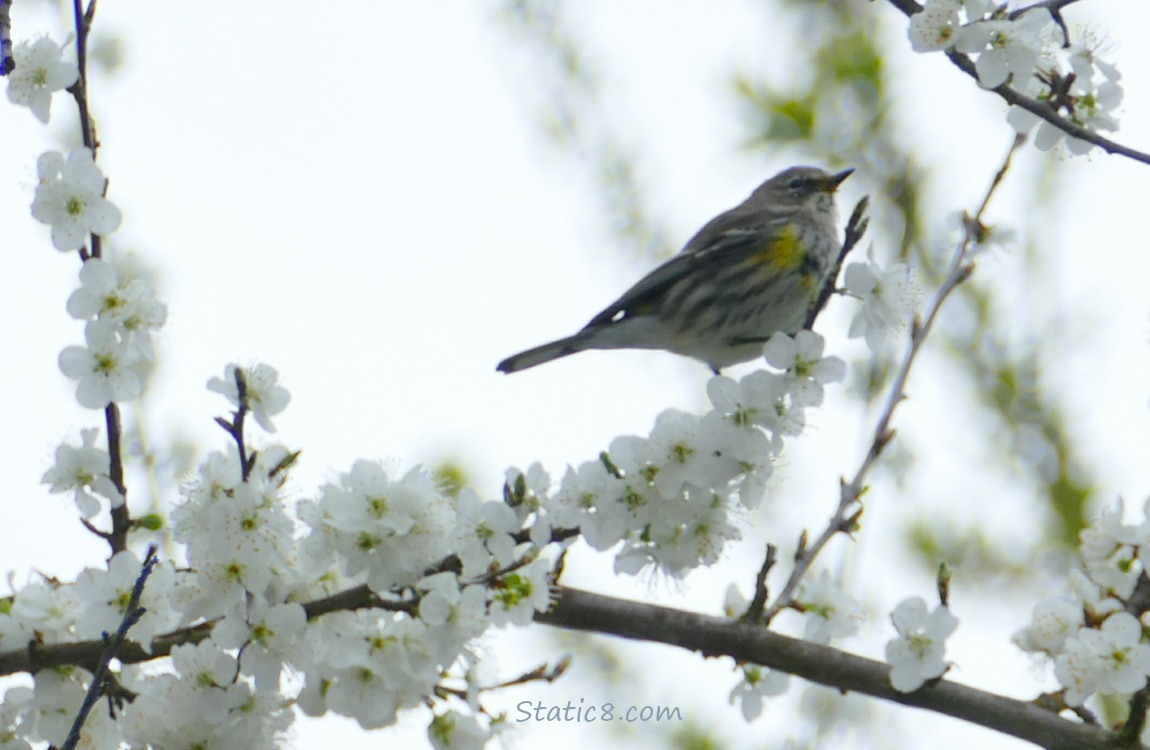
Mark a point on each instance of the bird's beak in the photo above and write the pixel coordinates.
(835, 180)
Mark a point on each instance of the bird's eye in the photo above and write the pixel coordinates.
(796, 183)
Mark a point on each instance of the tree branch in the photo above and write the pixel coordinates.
(715, 636)
(86, 654)
(1034, 106)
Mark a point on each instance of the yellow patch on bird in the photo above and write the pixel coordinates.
(782, 251)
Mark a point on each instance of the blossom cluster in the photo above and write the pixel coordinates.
(438, 571)
(1029, 52)
(671, 498)
(1096, 638)
(122, 312)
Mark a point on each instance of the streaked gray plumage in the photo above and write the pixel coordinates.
(748, 273)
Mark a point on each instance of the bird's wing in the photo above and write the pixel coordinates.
(637, 299)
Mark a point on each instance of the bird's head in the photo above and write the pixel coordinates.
(801, 187)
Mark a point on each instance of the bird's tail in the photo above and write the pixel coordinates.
(545, 353)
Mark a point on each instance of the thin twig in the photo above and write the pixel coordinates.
(112, 644)
(79, 90)
(235, 428)
(846, 515)
(542, 673)
(246, 462)
(7, 64)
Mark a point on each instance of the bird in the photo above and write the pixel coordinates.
(750, 272)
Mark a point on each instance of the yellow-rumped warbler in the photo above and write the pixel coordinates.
(749, 273)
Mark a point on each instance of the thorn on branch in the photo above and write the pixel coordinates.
(945, 573)
(284, 464)
(540, 674)
(916, 327)
(754, 613)
(88, 525)
(850, 524)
